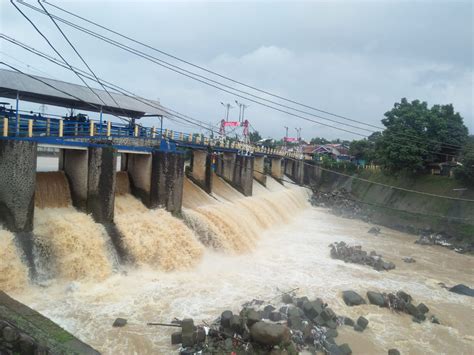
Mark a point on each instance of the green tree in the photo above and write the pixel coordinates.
(466, 171)
(255, 137)
(318, 141)
(413, 134)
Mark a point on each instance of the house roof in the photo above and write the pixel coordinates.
(60, 93)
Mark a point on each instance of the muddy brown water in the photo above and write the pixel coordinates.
(272, 241)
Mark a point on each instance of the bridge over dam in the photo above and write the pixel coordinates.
(99, 159)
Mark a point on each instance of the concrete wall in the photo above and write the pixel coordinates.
(101, 183)
(259, 170)
(25, 331)
(75, 163)
(17, 184)
(201, 169)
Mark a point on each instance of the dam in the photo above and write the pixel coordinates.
(148, 225)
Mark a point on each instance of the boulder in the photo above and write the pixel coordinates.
(267, 310)
(409, 260)
(176, 338)
(275, 316)
(295, 322)
(434, 320)
(422, 308)
(352, 298)
(300, 301)
(404, 296)
(27, 345)
(328, 314)
(393, 352)
(235, 324)
(225, 318)
(388, 265)
(119, 322)
(462, 290)
(332, 333)
(348, 321)
(251, 316)
(10, 334)
(362, 322)
(345, 349)
(358, 328)
(411, 309)
(269, 333)
(313, 309)
(376, 298)
(374, 230)
(286, 298)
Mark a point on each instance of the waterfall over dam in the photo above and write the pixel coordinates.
(69, 245)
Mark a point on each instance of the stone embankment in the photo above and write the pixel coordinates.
(343, 204)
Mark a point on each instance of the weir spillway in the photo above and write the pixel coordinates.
(102, 209)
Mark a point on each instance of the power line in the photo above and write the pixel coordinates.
(226, 77)
(79, 55)
(196, 77)
(49, 43)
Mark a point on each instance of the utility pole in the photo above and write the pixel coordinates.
(286, 136)
(242, 108)
(227, 108)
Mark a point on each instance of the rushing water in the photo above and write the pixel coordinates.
(234, 249)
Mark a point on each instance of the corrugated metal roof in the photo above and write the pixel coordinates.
(34, 90)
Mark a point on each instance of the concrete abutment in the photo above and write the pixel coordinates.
(201, 169)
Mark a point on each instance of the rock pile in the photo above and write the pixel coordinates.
(355, 254)
(429, 238)
(399, 302)
(340, 201)
(260, 328)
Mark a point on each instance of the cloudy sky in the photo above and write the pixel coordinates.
(351, 58)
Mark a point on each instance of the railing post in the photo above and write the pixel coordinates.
(181, 136)
(109, 128)
(5, 127)
(135, 133)
(190, 138)
(61, 128)
(76, 129)
(171, 134)
(48, 126)
(153, 132)
(91, 132)
(30, 128)
(166, 133)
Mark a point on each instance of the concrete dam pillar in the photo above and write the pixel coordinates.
(276, 170)
(17, 184)
(169, 180)
(201, 169)
(298, 171)
(243, 174)
(101, 183)
(91, 176)
(259, 170)
(228, 160)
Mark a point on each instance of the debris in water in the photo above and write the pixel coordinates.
(409, 260)
(374, 230)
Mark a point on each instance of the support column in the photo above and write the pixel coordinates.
(17, 184)
(101, 183)
(228, 160)
(243, 174)
(259, 170)
(75, 163)
(167, 182)
(277, 170)
(201, 169)
(298, 171)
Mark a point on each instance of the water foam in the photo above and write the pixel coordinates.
(13, 271)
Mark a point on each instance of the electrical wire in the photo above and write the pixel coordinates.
(228, 78)
(187, 74)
